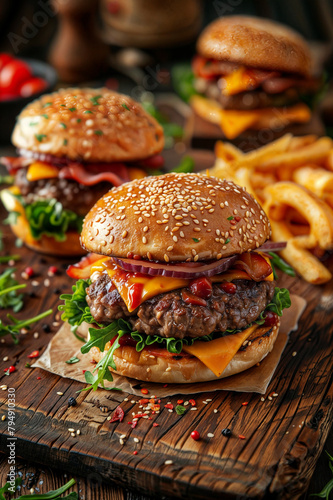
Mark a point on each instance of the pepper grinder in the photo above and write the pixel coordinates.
(77, 52)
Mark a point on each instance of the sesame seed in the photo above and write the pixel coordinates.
(210, 435)
(124, 234)
(60, 393)
(168, 462)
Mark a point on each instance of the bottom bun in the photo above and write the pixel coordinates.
(46, 244)
(149, 366)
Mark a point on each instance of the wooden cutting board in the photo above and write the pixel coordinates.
(284, 435)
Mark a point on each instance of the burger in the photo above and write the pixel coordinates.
(178, 287)
(252, 74)
(73, 146)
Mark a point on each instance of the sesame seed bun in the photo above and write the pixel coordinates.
(94, 125)
(175, 217)
(257, 43)
(141, 366)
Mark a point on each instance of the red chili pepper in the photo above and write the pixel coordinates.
(139, 415)
(245, 403)
(165, 385)
(143, 401)
(201, 287)
(180, 401)
(134, 424)
(241, 436)
(135, 452)
(195, 435)
(34, 354)
(155, 424)
(144, 391)
(192, 402)
(229, 287)
(11, 369)
(169, 406)
(192, 299)
(84, 371)
(118, 415)
(29, 271)
(237, 218)
(39, 378)
(53, 270)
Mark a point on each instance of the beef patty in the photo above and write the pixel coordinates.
(168, 315)
(72, 195)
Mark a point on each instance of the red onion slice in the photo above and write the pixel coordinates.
(182, 270)
(273, 246)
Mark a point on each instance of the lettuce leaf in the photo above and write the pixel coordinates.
(49, 217)
(183, 81)
(75, 309)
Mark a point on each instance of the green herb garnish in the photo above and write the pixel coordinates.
(277, 261)
(8, 288)
(230, 218)
(33, 124)
(63, 125)
(94, 100)
(227, 241)
(47, 104)
(72, 109)
(7, 258)
(98, 132)
(180, 410)
(53, 494)
(88, 112)
(14, 328)
(125, 106)
(40, 137)
(65, 142)
(326, 491)
(196, 240)
(78, 120)
(72, 360)
(45, 116)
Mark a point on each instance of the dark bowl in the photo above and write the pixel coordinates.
(10, 109)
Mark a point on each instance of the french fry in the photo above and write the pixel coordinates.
(319, 216)
(316, 152)
(292, 178)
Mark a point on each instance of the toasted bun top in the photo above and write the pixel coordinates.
(255, 42)
(175, 217)
(88, 124)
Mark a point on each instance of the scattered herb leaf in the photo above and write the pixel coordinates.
(65, 142)
(78, 120)
(227, 241)
(53, 494)
(14, 328)
(94, 100)
(8, 288)
(40, 137)
(63, 125)
(125, 106)
(196, 240)
(72, 109)
(72, 360)
(230, 218)
(47, 104)
(45, 116)
(180, 410)
(88, 112)
(98, 132)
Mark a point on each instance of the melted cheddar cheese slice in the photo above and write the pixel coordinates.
(135, 288)
(234, 122)
(237, 81)
(39, 170)
(217, 354)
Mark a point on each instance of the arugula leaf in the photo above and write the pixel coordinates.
(5, 488)
(53, 494)
(15, 327)
(100, 336)
(183, 81)
(8, 288)
(76, 310)
(280, 301)
(277, 261)
(186, 165)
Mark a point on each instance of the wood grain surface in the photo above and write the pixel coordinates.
(284, 435)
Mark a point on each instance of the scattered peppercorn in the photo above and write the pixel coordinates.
(46, 328)
(72, 401)
(195, 435)
(226, 432)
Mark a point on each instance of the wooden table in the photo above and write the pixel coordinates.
(284, 437)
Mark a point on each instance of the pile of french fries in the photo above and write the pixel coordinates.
(292, 178)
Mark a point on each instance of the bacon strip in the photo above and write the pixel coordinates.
(14, 163)
(80, 174)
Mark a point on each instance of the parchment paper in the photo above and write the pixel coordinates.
(64, 345)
